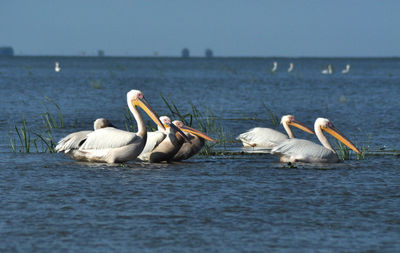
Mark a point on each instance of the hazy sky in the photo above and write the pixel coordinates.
(229, 28)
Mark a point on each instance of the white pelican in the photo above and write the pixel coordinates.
(75, 140)
(269, 138)
(163, 144)
(329, 70)
(112, 145)
(197, 140)
(298, 150)
(57, 67)
(274, 67)
(346, 70)
(290, 67)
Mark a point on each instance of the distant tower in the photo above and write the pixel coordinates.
(6, 51)
(100, 53)
(209, 53)
(185, 53)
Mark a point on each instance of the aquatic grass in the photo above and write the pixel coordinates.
(342, 151)
(272, 115)
(205, 122)
(23, 137)
(49, 121)
(48, 143)
(130, 122)
(28, 70)
(363, 145)
(96, 84)
(187, 118)
(120, 67)
(44, 141)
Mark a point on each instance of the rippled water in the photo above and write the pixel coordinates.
(247, 202)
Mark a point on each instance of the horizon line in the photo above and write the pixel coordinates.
(195, 56)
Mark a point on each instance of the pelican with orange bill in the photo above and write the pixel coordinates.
(112, 145)
(298, 150)
(197, 141)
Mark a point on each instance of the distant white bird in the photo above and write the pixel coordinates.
(290, 67)
(345, 71)
(329, 70)
(269, 138)
(298, 150)
(57, 67)
(275, 67)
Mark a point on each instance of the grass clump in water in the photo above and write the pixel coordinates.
(44, 141)
(344, 153)
(205, 122)
(49, 121)
(24, 138)
(272, 116)
(96, 84)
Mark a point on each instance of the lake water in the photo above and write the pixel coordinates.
(227, 203)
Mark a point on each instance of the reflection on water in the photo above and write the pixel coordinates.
(220, 203)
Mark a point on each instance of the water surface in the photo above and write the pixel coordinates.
(241, 202)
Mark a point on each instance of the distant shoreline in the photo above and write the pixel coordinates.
(202, 57)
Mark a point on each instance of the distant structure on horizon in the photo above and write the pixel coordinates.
(6, 51)
(209, 53)
(185, 53)
(100, 53)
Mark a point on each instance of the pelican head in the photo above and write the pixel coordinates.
(184, 128)
(167, 124)
(291, 120)
(327, 126)
(136, 98)
(102, 123)
(166, 121)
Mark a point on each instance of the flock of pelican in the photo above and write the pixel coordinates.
(290, 149)
(173, 141)
(328, 70)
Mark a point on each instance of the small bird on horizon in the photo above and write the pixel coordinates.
(290, 67)
(57, 67)
(346, 70)
(275, 67)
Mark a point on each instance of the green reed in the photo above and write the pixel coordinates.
(342, 151)
(205, 122)
(272, 115)
(44, 141)
(24, 138)
(96, 84)
(49, 120)
(130, 122)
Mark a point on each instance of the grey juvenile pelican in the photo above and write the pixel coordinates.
(298, 150)
(163, 144)
(197, 140)
(112, 145)
(268, 138)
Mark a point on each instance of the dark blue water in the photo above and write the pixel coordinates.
(247, 202)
